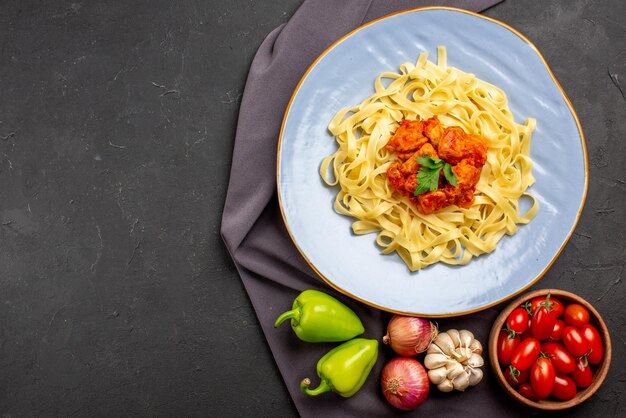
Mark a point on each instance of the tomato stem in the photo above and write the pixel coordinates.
(514, 372)
(548, 304)
(512, 334)
(584, 357)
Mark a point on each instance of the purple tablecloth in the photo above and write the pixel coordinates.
(270, 267)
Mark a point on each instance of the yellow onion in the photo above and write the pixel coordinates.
(409, 335)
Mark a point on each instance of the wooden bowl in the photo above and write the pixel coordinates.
(601, 370)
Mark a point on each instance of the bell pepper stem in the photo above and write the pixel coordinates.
(323, 387)
(292, 314)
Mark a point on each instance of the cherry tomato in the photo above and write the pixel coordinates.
(583, 376)
(526, 390)
(517, 320)
(576, 315)
(525, 354)
(542, 377)
(574, 341)
(523, 377)
(557, 331)
(506, 346)
(557, 307)
(508, 376)
(594, 342)
(553, 304)
(542, 323)
(561, 359)
(527, 334)
(564, 387)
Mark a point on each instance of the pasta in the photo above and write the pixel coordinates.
(358, 167)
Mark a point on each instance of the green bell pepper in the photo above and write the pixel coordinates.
(345, 368)
(318, 317)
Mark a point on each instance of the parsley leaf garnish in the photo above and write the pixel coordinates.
(449, 175)
(430, 162)
(427, 179)
(428, 175)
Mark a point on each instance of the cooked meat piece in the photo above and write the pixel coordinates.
(395, 177)
(466, 154)
(407, 139)
(456, 145)
(433, 201)
(466, 174)
(433, 130)
(411, 166)
(464, 198)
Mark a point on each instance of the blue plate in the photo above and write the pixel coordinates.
(343, 76)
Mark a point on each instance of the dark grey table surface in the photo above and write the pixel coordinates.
(117, 122)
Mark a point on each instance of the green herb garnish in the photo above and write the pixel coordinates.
(449, 175)
(428, 175)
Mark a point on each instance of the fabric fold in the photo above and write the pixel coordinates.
(271, 268)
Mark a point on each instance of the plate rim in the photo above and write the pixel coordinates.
(556, 82)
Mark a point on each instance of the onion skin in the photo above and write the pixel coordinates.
(409, 336)
(404, 383)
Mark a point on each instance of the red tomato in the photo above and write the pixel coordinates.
(526, 390)
(594, 342)
(527, 334)
(508, 376)
(574, 341)
(506, 346)
(514, 381)
(524, 376)
(576, 315)
(525, 354)
(583, 376)
(542, 323)
(517, 320)
(561, 359)
(564, 387)
(553, 304)
(542, 377)
(557, 307)
(557, 331)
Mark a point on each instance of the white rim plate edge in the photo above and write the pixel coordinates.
(410, 311)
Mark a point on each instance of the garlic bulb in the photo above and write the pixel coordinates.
(454, 359)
